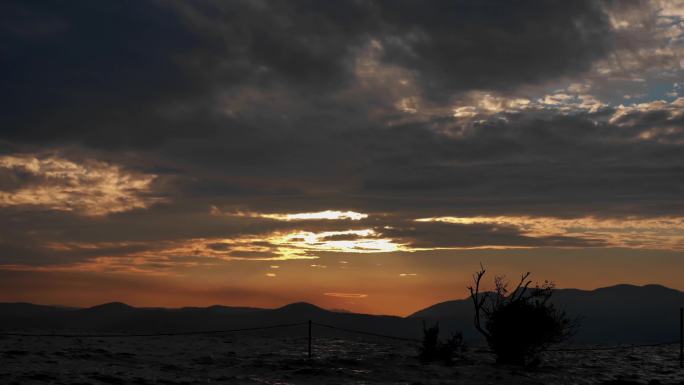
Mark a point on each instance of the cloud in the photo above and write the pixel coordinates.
(441, 235)
(289, 130)
(460, 45)
(652, 233)
(320, 215)
(346, 295)
(390, 234)
(365, 241)
(532, 163)
(201, 61)
(647, 37)
(88, 188)
(254, 254)
(658, 120)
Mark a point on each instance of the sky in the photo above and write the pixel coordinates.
(364, 155)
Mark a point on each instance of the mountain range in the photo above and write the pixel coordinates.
(616, 314)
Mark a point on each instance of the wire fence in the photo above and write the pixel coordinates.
(310, 325)
(169, 334)
(361, 332)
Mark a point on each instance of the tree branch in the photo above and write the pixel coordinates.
(479, 301)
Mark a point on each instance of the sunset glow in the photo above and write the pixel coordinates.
(327, 214)
(359, 155)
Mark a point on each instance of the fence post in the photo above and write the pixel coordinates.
(309, 339)
(681, 337)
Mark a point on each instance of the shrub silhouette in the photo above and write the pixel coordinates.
(520, 324)
(433, 349)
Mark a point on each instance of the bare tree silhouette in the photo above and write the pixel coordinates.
(519, 324)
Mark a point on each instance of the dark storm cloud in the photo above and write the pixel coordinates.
(568, 179)
(457, 45)
(24, 249)
(253, 254)
(102, 77)
(158, 224)
(138, 73)
(12, 179)
(431, 235)
(345, 237)
(257, 106)
(219, 246)
(66, 242)
(155, 74)
(450, 235)
(533, 162)
(45, 237)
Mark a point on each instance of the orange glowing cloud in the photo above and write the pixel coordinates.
(90, 188)
(318, 215)
(346, 295)
(632, 232)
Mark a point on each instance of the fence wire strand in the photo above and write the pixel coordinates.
(366, 333)
(355, 331)
(169, 334)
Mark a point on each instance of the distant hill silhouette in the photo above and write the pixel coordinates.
(617, 314)
(118, 317)
(621, 313)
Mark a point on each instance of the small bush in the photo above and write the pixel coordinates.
(520, 324)
(433, 349)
